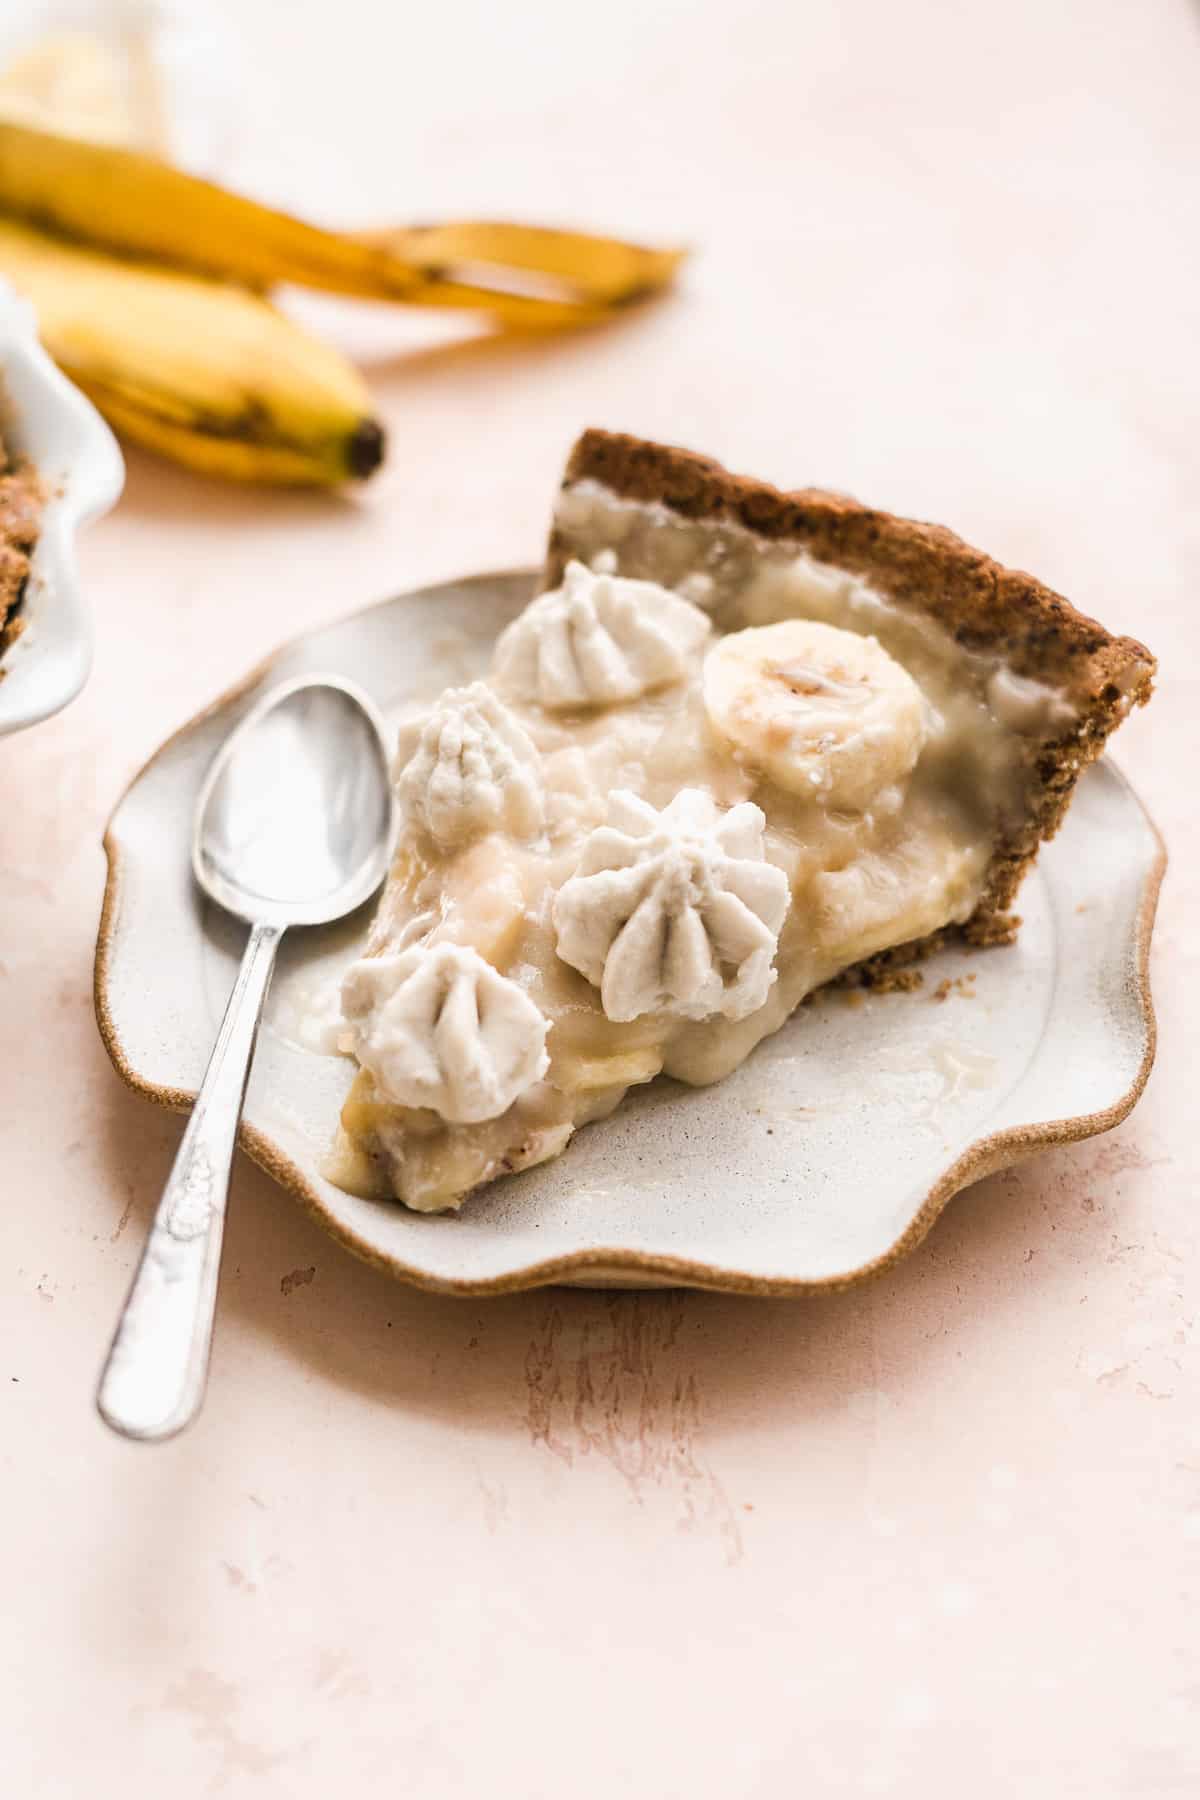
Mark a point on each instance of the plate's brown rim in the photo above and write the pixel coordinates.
(983, 1157)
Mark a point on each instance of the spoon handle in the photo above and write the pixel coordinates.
(153, 1380)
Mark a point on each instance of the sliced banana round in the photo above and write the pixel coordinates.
(817, 710)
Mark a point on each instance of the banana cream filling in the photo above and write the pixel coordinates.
(654, 827)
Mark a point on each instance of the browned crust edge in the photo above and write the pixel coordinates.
(983, 605)
(604, 1265)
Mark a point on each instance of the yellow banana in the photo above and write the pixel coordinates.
(230, 458)
(202, 370)
(122, 199)
(148, 282)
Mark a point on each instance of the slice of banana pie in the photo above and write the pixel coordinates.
(744, 742)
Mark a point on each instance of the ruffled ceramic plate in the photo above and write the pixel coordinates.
(826, 1156)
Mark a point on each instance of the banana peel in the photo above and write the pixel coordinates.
(123, 200)
(596, 270)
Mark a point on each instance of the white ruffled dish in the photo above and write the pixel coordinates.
(45, 418)
(827, 1155)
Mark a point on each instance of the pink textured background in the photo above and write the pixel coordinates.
(938, 1536)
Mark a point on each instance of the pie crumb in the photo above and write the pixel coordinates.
(962, 985)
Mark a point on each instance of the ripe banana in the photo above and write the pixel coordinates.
(203, 371)
(819, 711)
(198, 364)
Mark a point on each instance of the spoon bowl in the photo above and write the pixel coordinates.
(294, 825)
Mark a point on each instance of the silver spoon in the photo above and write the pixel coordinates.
(293, 826)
